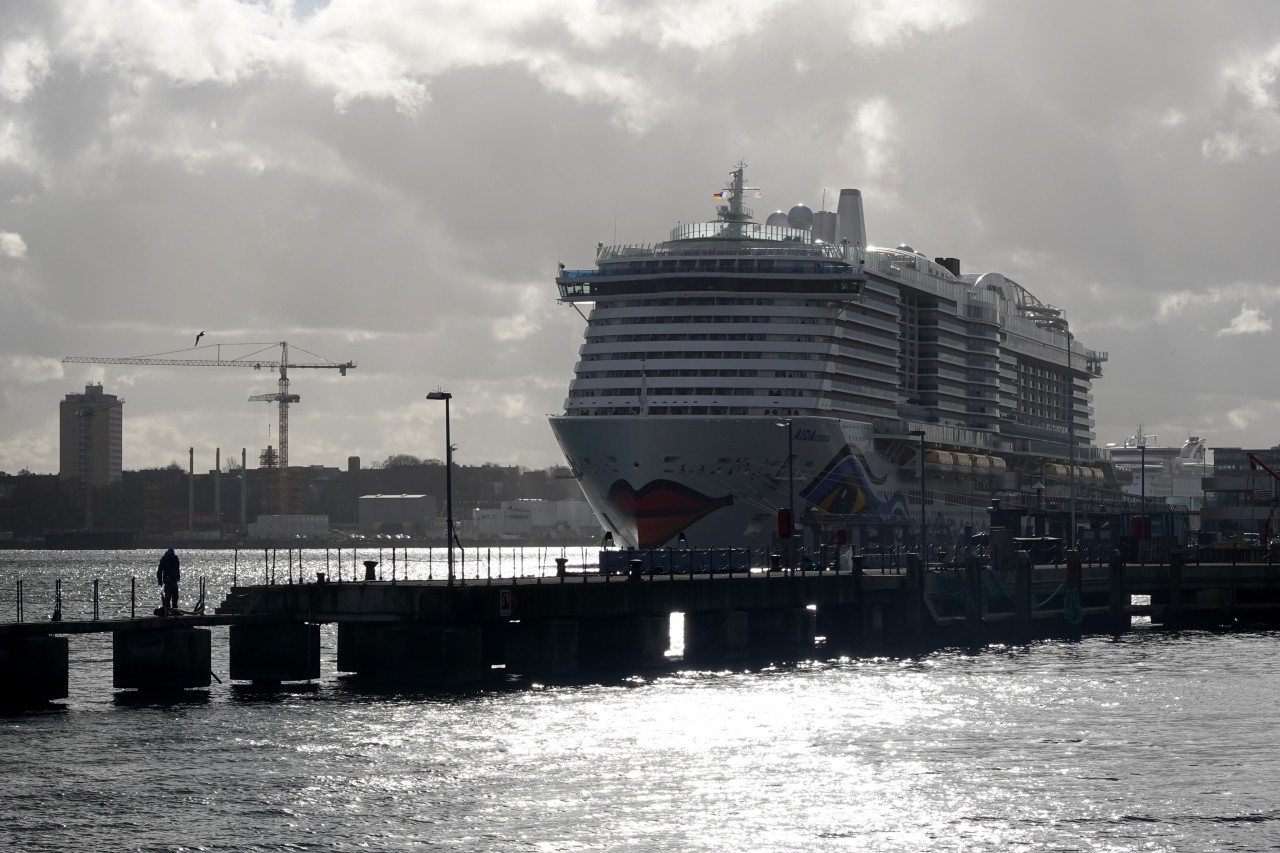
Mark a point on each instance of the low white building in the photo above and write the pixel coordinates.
(536, 519)
(289, 527)
(501, 523)
(542, 514)
(578, 518)
(413, 514)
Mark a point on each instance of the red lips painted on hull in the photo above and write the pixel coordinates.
(661, 508)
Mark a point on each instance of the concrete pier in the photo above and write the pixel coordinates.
(435, 656)
(633, 642)
(358, 647)
(426, 654)
(1118, 618)
(789, 631)
(171, 658)
(439, 635)
(1073, 596)
(1022, 596)
(973, 599)
(716, 636)
(1173, 607)
(843, 625)
(546, 648)
(275, 653)
(33, 670)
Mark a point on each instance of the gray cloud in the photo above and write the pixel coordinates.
(1250, 321)
(394, 183)
(12, 245)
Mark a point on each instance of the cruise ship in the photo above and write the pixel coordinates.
(1161, 474)
(742, 381)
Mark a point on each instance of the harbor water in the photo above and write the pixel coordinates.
(1152, 741)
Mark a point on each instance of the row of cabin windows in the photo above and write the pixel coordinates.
(703, 318)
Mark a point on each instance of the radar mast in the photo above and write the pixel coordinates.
(735, 210)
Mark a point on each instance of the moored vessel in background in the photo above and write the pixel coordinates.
(740, 371)
(1164, 475)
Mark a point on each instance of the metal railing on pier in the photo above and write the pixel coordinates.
(50, 593)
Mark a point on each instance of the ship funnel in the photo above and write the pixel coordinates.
(952, 265)
(850, 225)
(824, 226)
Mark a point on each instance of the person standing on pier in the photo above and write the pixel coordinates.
(168, 574)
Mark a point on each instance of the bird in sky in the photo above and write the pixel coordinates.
(198, 337)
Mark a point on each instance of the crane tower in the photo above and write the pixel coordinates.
(253, 361)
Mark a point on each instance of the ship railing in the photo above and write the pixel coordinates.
(781, 269)
(741, 231)
(661, 250)
(757, 560)
(893, 267)
(1052, 343)
(936, 434)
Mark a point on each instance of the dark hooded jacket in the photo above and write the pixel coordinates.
(169, 569)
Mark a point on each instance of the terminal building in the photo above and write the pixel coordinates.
(1240, 498)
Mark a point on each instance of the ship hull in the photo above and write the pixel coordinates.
(722, 481)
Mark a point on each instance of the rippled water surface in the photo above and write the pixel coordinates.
(1149, 742)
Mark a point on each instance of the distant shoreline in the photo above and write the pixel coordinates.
(282, 544)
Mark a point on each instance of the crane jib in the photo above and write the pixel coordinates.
(282, 396)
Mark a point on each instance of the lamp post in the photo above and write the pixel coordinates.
(1142, 527)
(1071, 439)
(1142, 450)
(1038, 488)
(924, 551)
(448, 474)
(791, 495)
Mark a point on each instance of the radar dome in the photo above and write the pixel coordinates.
(777, 218)
(800, 217)
(905, 248)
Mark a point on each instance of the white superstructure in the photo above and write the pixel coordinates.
(1163, 474)
(740, 368)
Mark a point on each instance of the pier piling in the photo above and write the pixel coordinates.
(33, 670)
(973, 601)
(1173, 609)
(716, 635)
(545, 648)
(1022, 596)
(275, 653)
(169, 658)
(1118, 619)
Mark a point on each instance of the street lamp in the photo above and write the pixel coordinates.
(1142, 448)
(791, 495)
(924, 551)
(1038, 488)
(1142, 541)
(448, 472)
(1071, 435)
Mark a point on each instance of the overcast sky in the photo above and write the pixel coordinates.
(393, 183)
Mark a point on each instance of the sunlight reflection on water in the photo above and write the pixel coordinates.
(1151, 741)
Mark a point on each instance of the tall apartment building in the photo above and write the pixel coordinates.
(90, 426)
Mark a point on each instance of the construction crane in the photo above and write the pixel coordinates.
(253, 361)
(1254, 464)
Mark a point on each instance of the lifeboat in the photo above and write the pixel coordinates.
(981, 461)
(939, 457)
(997, 463)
